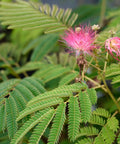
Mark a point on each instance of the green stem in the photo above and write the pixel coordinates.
(100, 86)
(102, 13)
(110, 94)
(105, 65)
(94, 66)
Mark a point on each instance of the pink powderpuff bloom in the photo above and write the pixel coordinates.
(112, 45)
(80, 40)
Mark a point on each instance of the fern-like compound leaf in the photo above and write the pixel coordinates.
(73, 118)
(37, 84)
(2, 118)
(97, 120)
(19, 99)
(11, 113)
(85, 106)
(99, 140)
(39, 106)
(113, 124)
(112, 70)
(92, 95)
(101, 112)
(85, 141)
(40, 129)
(68, 78)
(116, 81)
(29, 15)
(6, 86)
(38, 117)
(29, 67)
(62, 91)
(108, 135)
(55, 73)
(58, 123)
(88, 131)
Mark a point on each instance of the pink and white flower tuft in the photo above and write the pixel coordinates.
(80, 40)
(112, 45)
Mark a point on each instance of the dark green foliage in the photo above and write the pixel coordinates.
(97, 120)
(68, 78)
(6, 86)
(30, 66)
(88, 131)
(2, 118)
(11, 114)
(102, 112)
(85, 106)
(73, 118)
(85, 141)
(92, 95)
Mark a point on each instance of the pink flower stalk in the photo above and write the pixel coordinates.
(80, 40)
(112, 45)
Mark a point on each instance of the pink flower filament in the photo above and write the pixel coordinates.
(113, 46)
(82, 39)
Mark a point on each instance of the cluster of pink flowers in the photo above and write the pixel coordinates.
(82, 39)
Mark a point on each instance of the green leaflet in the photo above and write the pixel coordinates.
(56, 73)
(2, 118)
(85, 106)
(97, 120)
(30, 124)
(30, 66)
(99, 140)
(85, 141)
(92, 95)
(24, 91)
(6, 86)
(112, 70)
(11, 114)
(88, 131)
(68, 78)
(30, 87)
(39, 106)
(46, 44)
(108, 135)
(62, 91)
(101, 112)
(116, 81)
(37, 84)
(58, 123)
(73, 118)
(19, 99)
(40, 128)
(113, 123)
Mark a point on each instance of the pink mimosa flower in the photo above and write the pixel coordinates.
(80, 40)
(112, 45)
